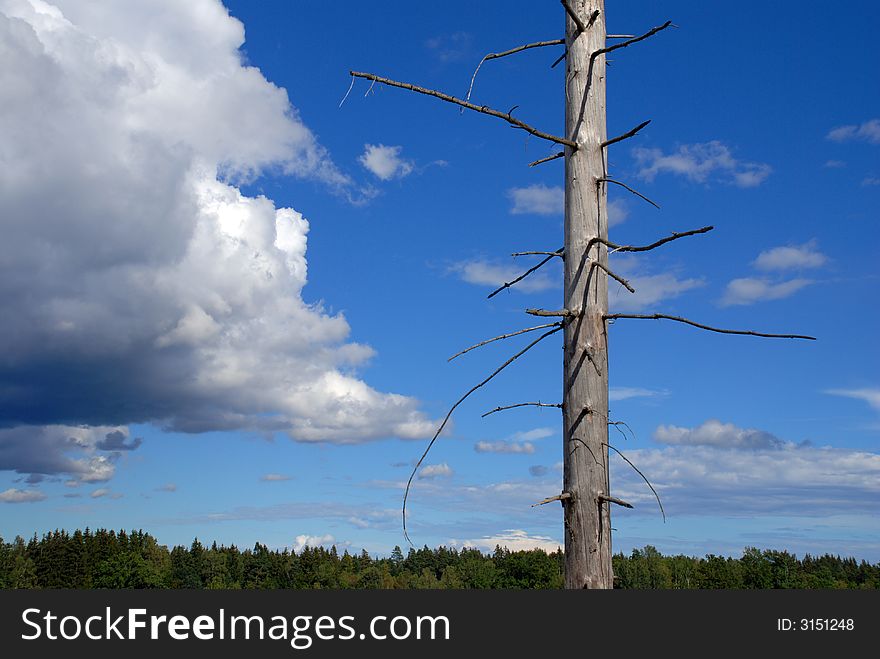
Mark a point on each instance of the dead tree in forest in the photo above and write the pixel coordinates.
(584, 318)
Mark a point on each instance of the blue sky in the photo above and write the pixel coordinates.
(229, 301)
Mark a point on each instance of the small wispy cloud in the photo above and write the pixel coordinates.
(869, 131)
(504, 447)
(750, 290)
(385, 162)
(618, 212)
(791, 257)
(441, 470)
(650, 287)
(871, 180)
(701, 163)
(715, 433)
(488, 273)
(274, 478)
(871, 395)
(451, 47)
(625, 393)
(835, 164)
(15, 495)
(537, 199)
(168, 487)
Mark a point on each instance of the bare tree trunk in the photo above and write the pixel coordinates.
(585, 368)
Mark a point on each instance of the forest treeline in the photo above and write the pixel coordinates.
(117, 559)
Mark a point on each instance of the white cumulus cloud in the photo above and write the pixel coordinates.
(139, 284)
(385, 162)
(512, 539)
(303, 541)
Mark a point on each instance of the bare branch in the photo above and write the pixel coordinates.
(452, 409)
(510, 407)
(465, 104)
(520, 278)
(573, 16)
(608, 179)
(626, 135)
(547, 159)
(558, 497)
(518, 49)
(644, 248)
(661, 316)
(629, 42)
(559, 59)
(503, 336)
(564, 313)
(617, 425)
(559, 252)
(623, 282)
(619, 36)
(615, 500)
(644, 478)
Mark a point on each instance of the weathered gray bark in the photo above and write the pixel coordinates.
(585, 368)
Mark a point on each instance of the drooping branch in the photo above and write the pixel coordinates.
(629, 42)
(465, 104)
(503, 336)
(559, 59)
(626, 135)
(644, 478)
(608, 179)
(679, 319)
(547, 159)
(644, 248)
(518, 49)
(620, 280)
(452, 409)
(521, 277)
(510, 407)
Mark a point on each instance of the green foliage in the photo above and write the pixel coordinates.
(116, 559)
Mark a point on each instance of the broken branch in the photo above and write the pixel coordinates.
(679, 319)
(465, 104)
(547, 159)
(564, 313)
(452, 409)
(608, 179)
(644, 248)
(615, 500)
(620, 280)
(626, 135)
(644, 478)
(503, 336)
(558, 497)
(510, 407)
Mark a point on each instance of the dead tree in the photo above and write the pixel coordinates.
(584, 318)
